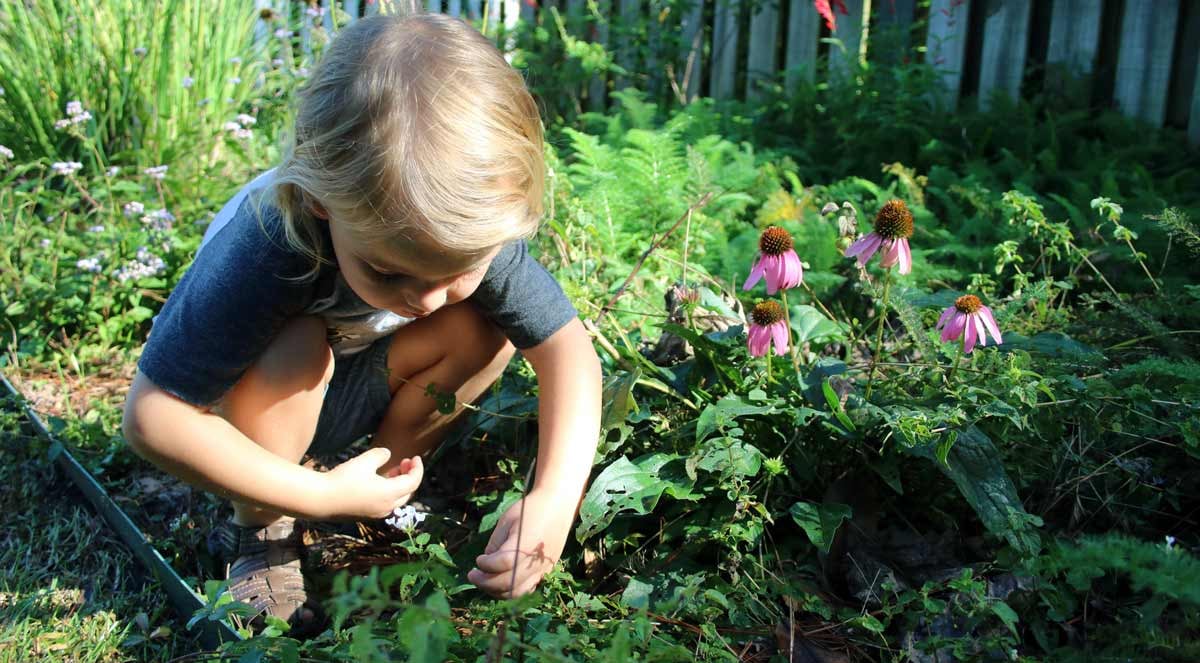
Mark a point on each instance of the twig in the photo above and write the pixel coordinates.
(699, 204)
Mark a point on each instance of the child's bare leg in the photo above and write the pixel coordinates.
(456, 349)
(277, 402)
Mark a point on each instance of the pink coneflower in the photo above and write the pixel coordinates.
(776, 261)
(970, 315)
(893, 227)
(767, 326)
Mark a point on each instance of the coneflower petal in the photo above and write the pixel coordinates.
(955, 328)
(779, 334)
(969, 336)
(757, 340)
(793, 271)
(905, 256)
(864, 248)
(950, 310)
(891, 252)
(773, 267)
(756, 273)
(979, 331)
(985, 313)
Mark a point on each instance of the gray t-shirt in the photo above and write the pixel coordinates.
(241, 291)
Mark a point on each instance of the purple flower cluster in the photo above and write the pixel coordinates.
(157, 172)
(75, 115)
(145, 265)
(159, 220)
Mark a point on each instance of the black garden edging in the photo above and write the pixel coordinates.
(185, 601)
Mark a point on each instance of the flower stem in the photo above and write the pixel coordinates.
(883, 308)
(954, 368)
(816, 301)
(787, 319)
(768, 358)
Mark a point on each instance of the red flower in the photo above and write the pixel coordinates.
(826, 11)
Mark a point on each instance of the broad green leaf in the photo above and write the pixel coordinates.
(727, 457)
(811, 325)
(721, 414)
(629, 486)
(973, 463)
(820, 521)
(1052, 344)
(637, 594)
(618, 398)
(1006, 615)
(835, 404)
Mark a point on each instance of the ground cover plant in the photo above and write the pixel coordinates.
(881, 383)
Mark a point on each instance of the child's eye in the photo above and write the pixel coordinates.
(384, 277)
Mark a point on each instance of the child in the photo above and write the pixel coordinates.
(385, 253)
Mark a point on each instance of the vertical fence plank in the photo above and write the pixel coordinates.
(1005, 38)
(327, 16)
(724, 49)
(946, 45)
(890, 38)
(803, 31)
(850, 31)
(1144, 62)
(1194, 119)
(1074, 35)
(691, 63)
(474, 10)
(629, 12)
(764, 34)
(598, 88)
(351, 7)
(528, 11)
(454, 8)
(433, 6)
(372, 8)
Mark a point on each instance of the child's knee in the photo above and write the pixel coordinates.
(298, 359)
(476, 339)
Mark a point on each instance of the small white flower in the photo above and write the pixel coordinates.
(157, 172)
(81, 118)
(1170, 542)
(243, 134)
(246, 120)
(235, 60)
(405, 518)
(283, 33)
(6, 153)
(188, 81)
(96, 229)
(139, 51)
(65, 167)
(133, 209)
(112, 172)
(302, 72)
(74, 108)
(231, 126)
(45, 242)
(88, 265)
(236, 80)
(315, 12)
(159, 219)
(62, 124)
(277, 63)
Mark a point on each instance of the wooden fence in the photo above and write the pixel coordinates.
(1139, 56)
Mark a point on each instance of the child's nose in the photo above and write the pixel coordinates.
(431, 300)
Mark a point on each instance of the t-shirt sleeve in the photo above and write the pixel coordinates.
(522, 298)
(226, 309)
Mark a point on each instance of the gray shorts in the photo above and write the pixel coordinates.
(356, 400)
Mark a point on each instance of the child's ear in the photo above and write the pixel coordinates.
(315, 207)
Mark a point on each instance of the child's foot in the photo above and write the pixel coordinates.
(266, 574)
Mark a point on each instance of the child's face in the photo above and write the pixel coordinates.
(408, 282)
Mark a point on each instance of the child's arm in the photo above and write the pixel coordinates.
(207, 451)
(569, 385)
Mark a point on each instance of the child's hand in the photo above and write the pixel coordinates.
(547, 522)
(357, 490)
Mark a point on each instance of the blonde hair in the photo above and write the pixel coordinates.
(412, 128)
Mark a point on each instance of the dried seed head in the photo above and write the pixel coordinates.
(968, 304)
(766, 313)
(894, 221)
(266, 14)
(775, 241)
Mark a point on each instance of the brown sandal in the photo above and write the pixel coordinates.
(266, 575)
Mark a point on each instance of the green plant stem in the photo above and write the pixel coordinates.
(816, 301)
(768, 358)
(787, 319)
(954, 367)
(883, 308)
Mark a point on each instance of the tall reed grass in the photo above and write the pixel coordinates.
(155, 75)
